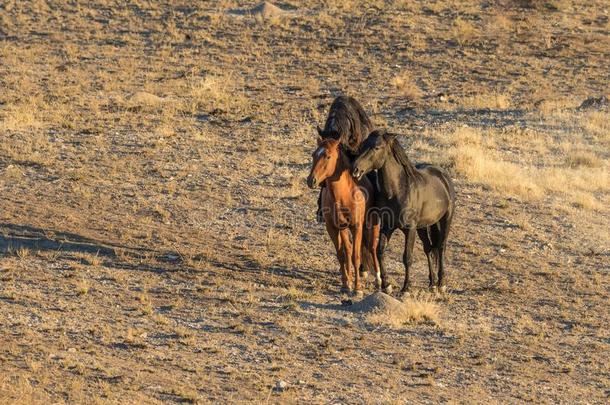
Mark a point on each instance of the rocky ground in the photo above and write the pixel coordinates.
(158, 239)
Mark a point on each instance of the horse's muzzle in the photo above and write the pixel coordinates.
(312, 182)
(357, 173)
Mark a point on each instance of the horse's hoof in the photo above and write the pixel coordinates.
(358, 294)
(404, 294)
(443, 289)
(364, 275)
(433, 289)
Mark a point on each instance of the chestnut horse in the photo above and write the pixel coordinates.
(345, 203)
(348, 123)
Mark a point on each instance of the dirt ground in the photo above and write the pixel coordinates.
(158, 241)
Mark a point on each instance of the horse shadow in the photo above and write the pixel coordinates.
(341, 307)
(14, 237)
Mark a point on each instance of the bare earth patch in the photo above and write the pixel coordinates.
(158, 242)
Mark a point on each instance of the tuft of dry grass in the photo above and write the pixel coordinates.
(217, 92)
(23, 253)
(492, 101)
(82, 287)
(88, 258)
(576, 159)
(413, 310)
(22, 116)
(406, 86)
(464, 31)
(481, 166)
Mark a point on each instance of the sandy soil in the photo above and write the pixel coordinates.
(158, 241)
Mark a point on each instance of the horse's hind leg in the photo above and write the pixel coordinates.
(424, 236)
(435, 234)
(357, 258)
(445, 225)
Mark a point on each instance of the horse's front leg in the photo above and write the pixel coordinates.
(384, 239)
(335, 237)
(407, 256)
(357, 258)
(347, 263)
(373, 242)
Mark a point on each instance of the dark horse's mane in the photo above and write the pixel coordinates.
(401, 157)
(347, 122)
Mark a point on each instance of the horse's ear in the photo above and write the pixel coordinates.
(389, 137)
(320, 130)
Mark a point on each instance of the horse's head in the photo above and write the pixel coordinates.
(325, 160)
(373, 152)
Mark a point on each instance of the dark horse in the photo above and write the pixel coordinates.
(348, 123)
(413, 199)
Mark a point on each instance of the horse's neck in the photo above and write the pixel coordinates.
(340, 181)
(401, 158)
(393, 178)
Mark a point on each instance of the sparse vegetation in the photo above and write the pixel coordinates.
(413, 310)
(465, 32)
(158, 241)
(476, 156)
(406, 86)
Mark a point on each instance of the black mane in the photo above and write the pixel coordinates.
(401, 157)
(347, 122)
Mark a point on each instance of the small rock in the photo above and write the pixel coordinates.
(594, 102)
(281, 386)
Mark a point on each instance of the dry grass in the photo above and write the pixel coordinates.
(480, 166)
(413, 310)
(406, 86)
(217, 92)
(493, 101)
(475, 155)
(20, 117)
(82, 287)
(464, 31)
(175, 138)
(577, 158)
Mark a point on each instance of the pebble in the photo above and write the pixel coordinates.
(281, 385)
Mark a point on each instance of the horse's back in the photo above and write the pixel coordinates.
(438, 173)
